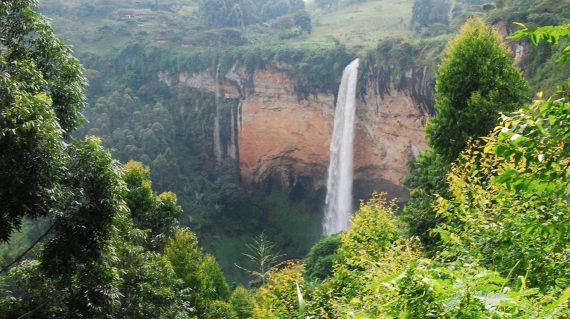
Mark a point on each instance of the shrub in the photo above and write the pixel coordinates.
(278, 299)
(242, 302)
(319, 260)
(509, 206)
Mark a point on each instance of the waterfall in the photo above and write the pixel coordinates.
(339, 182)
(219, 98)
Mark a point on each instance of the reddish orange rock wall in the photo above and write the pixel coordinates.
(284, 138)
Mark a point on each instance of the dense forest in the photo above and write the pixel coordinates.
(122, 193)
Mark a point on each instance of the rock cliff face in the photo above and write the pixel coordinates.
(282, 141)
(518, 49)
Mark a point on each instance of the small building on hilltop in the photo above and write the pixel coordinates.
(136, 14)
(161, 38)
(189, 41)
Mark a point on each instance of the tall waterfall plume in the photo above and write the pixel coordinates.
(219, 99)
(339, 182)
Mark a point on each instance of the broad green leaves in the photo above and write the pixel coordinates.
(537, 140)
(41, 96)
(509, 207)
(550, 34)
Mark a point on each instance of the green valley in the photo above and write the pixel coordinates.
(175, 159)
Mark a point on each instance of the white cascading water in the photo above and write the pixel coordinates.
(219, 99)
(339, 183)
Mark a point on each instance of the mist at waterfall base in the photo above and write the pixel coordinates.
(338, 203)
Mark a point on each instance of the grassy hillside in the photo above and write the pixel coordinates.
(363, 24)
(98, 29)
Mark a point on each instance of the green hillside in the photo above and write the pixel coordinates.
(362, 24)
(98, 28)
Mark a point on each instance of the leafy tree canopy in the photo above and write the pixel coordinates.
(509, 205)
(41, 96)
(240, 13)
(475, 81)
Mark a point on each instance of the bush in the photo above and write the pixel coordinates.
(319, 260)
(278, 298)
(370, 251)
(508, 206)
(373, 232)
(242, 302)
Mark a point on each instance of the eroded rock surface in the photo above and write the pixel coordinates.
(283, 140)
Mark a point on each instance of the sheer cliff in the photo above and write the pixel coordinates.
(281, 140)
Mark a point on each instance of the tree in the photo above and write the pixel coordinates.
(147, 284)
(426, 178)
(517, 178)
(95, 263)
(90, 200)
(127, 281)
(76, 184)
(157, 214)
(262, 257)
(112, 273)
(509, 206)
(199, 273)
(476, 81)
(41, 96)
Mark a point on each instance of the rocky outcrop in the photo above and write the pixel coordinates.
(283, 141)
(519, 49)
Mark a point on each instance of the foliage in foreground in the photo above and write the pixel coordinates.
(504, 233)
(379, 274)
(130, 276)
(41, 96)
(550, 34)
(508, 207)
(102, 255)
